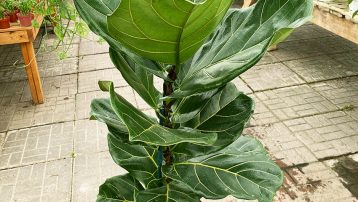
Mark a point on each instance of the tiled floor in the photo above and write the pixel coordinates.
(306, 95)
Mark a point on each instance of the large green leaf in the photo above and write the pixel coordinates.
(166, 31)
(243, 169)
(135, 158)
(143, 129)
(119, 189)
(225, 113)
(172, 192)
(138, 78)
(102, 111)
(94, 13)
(138, 160)
(239, 42)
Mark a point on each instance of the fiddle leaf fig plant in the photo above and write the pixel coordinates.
(194, 147)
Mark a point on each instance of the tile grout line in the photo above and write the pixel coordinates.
(73, 155)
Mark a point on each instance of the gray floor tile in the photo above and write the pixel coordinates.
(90, 171)
(49, 181)
(37, 144)
(323, 67)
(93, 47)
(90, 137)
(327, 135)
(342, 92)
(83, 100)
(88, 81)
(294, 102)
(270, 76)
(282, 144)
(95, 62)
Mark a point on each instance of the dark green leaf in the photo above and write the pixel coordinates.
(138, 78)
(138, 160)
(225, 113)
(166, 31)
(102, 111)
(239, 42)
(243, 170)
(119, 189)
(172, 192)
(94, 13)
(143, 129)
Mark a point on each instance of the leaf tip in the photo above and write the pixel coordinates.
(105, 85)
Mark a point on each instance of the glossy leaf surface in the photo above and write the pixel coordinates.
(143, 129)
(166, 31)
(172, 192)
(225, 113)
(137, 77)
(120, 189)
(138, 160)
(243, 169)
(94, 13)
(239, 42)
(102, 111)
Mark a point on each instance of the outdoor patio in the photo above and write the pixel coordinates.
(306, 114)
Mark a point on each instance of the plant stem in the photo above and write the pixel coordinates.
(165, 119)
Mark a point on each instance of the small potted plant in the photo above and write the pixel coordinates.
(9, 6)
(25, 16)
(4, 19)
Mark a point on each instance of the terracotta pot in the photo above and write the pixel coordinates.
(5, 23)
(13, 17)
(25, 20)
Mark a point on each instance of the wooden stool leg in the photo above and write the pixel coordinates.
(33, 75)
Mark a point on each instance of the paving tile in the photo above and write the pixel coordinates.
(83, 100)
(262, 114)
(49, 181)
(241, 86)
(54, 110)
(327, 135)
(10, 54)
(88, 81)
(282, 144)
(353, 113)
(2, 140)
(347, 59)
(47, 53)
(65, 85)
(37, 144)
(51, 40)
(268, 58)
(90, 137)
(345, 167)
(6, 114)
(314, 182)
(308, 31)
(291, 50)
(95, 62)
(93, 47)
(47, 68)
(343, 92)
(294, 102)
(90, 171)
(319, 68)
(92, 37)
(270, 76)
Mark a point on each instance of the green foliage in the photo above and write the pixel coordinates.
(26, 6)
(63, 17)
(2, 12)
(194, 147)
(9, 5)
